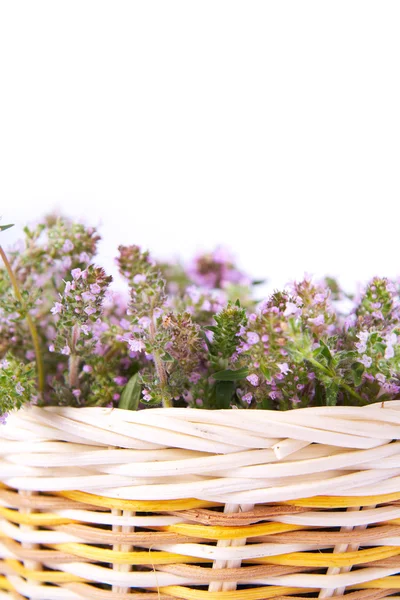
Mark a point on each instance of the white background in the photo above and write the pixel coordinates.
(269, 127)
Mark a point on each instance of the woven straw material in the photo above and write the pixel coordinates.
(106, 504)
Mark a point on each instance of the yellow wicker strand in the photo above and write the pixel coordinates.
(36, 519)
(137, 505)
(259, 593)
(384, 583)
(218, 532)
(342, 559)
(42, 576)
(126, 558)
(5, 584)
(343, 501)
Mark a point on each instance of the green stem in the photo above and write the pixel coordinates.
(162, 376)
(335, 379)
(31, 325)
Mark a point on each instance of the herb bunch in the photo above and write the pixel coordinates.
(183, 335)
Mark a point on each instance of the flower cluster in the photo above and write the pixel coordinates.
(183, 336)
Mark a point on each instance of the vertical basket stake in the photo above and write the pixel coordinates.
(218, 586)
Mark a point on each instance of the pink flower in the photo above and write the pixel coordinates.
(136, 345)
(389, 352)
(95, 288)
(68, 246)
(85, 329)
(139, 278)
(76, 273)
(57, 308)
(284, 368)
(68, 287)
(252, 338)
(19, 389)
(88, 297)
(194, 377)
(120, 380)
(146, 395)
(143, 322)
(292, 309)
(66, 350)
(76, 393)
(362, 345)
(84, 257)
(319, 298)
(317, 321)
(253, 379)
(51, 348)
(247, 398)
(89, 310)
(87, 369)
(366, 360)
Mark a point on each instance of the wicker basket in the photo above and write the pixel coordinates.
(182, 503)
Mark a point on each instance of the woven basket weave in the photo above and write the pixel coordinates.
(182, 503)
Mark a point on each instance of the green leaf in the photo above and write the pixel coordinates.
(258, 281)
(4, 227)
(223, 393)
(331, 390)
(325, 352)
(228, 375)
(266, 404)
(357, 370)
(266, 372)
(131, 394)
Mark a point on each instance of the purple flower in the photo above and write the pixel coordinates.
(319, 298)
(284, 368)
(362, 345)
(194, 377)
(139, 278)
(84, 257)
(95, 288)
(76, 273)
(146, 395)
(87, 369)
(144, 322)
(247, 398)
(292, 309)
(89, 310)
(389, 352)
(120, 380)
(350, 321)
(253, 379)
(136, 345)
(19, 389)
(76, 393)
(317, 321)
(366, 360)
(252, 338)
(380, 377)
(68, 246)
(3, 418)
(88, 297)
(57, 308)
(66, 350)
(85, 329)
